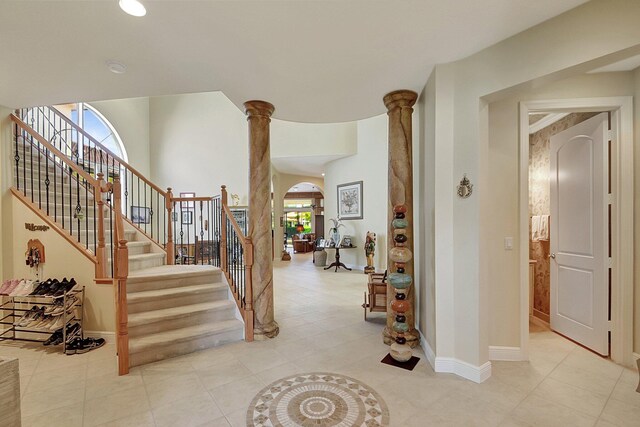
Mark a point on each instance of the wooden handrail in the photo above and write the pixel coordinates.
(247, 250)
(116, 157)
(234, 224)
(191, 199)
(120, 275)
(75, 167)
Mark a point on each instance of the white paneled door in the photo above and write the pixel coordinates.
(579, 234)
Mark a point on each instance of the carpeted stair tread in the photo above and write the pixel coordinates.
(162, 339)
(146, 317)
(164, 272)
(158, 294)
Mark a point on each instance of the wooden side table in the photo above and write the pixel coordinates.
(337, 264)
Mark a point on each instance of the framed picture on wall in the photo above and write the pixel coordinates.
(350, 200)
(187, 217)
(140, 215)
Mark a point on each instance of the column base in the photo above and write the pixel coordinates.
(264, 332)
(413, 338)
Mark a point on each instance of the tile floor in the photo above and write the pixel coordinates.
(322, 329)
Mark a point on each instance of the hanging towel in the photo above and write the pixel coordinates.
(544, 227)
(535, 228)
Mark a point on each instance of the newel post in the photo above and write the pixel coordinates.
(101, 252)
(223, 229)
(171, 257)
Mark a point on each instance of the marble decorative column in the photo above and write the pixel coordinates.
(399, 109)
(259, 116)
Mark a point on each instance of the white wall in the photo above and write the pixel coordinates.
(636, 169)
(199, 142)
(130, 118)
(541, 54)
(370, 166)
(62, 260)
(424, 213)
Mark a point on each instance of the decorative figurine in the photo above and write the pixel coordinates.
(401, 282)
(369, 250)
(335, 234)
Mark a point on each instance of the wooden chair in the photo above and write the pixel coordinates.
(376, 300)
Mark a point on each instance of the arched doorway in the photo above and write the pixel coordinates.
(303, 217)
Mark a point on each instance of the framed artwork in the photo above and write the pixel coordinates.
(350, 200)
(187, 195)
(187, 217)
(140, 215)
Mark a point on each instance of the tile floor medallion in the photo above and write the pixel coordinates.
(317, 399)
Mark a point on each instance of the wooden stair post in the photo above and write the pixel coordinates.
(171, 256)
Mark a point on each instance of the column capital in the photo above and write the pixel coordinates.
(258, 108)
(400, 99)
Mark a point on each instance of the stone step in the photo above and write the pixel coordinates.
(144, 261)
(155, 321)
(172, 276)
(173, 297)
(176, 342)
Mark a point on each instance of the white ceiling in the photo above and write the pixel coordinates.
(304, 187)
(315, 60)
(304, 165)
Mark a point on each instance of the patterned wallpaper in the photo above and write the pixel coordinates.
(539, 188)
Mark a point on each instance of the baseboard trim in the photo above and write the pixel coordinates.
(428, 351)
(511, 354)
(109, 337)
(542, 316)
(477, 374)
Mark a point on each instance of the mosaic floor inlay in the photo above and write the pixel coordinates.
(317, 399)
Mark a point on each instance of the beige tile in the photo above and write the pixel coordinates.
(587, 380)
(142, 419)
(261, 359)
(43, 401)
(541, 412)
(621, 413)
(59, 379)
(237, 418)
(223, 373)
(574, 397)
(421, 391)
(190, 411)
(68, 416)
(115, 406)
(111, 383)
(590, 362)
(218, 422)
(271, 375)
(237, 395)
(175, 388)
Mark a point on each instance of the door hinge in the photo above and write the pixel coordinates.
(610, 199)
(610, 262)
(609, 328)
(611, 134)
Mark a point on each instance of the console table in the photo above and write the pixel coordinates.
(337, 264)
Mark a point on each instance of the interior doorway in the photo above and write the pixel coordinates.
(569, 226)
(542, 258)
(303, 219)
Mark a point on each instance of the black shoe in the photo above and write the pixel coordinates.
(55, 337)
(41, 287)
(65, 287)
(73, 346)
(88, 344)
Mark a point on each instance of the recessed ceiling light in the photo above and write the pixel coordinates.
(116, 67)
(133, 7)
(322, 173)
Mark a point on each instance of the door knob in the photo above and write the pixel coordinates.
(552, 256)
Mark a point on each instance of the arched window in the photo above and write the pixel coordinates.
(96, 125)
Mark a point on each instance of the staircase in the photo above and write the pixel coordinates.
(175, 310)
(170, 310)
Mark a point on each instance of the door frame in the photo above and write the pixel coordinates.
(621, 109)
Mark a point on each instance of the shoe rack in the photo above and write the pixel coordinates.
(16, 306)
